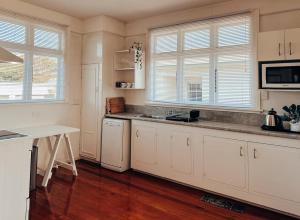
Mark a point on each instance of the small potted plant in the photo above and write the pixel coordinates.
(293, 116)
(138, 48)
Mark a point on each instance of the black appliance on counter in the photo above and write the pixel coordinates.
(192, 116)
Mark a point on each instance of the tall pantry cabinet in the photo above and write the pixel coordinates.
(96, 85)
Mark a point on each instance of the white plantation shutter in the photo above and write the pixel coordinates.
(234, 61)
(166, 43)
(197, 39)
(165, 80)
(41, 76)
(12, 32)
(212, 63)
(46, 39)
(234, 80)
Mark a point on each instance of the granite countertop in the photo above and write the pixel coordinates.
(210, 125)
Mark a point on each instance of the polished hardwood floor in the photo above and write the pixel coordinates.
(100, 194)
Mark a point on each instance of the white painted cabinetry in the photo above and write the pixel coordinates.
(144, 147)
(273, 171)
(292, 44)
(279, 45)
(181, 155)
(254, 168)
(225, 162)
(89, 111)
(271, 46)
(15, 178)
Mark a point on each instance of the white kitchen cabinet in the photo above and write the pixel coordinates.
(225, 162)
(271, 46)
(181, 155)
(279, 45)
(144, 149)
(14, 178)
(229, 163)
(89, 111)
(292, 44)
(273, 171)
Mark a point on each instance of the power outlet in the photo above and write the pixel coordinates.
(264, 95)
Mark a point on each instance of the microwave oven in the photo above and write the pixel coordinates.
(280, 75)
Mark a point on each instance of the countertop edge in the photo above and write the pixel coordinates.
(210, 125)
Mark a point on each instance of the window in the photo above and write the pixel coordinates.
(204, 63)
(40, 77)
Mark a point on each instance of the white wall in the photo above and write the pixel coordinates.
(274, 15)
(67, 113)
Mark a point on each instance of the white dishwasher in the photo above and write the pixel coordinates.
(115, 153)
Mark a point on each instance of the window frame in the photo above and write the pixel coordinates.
(213, 49)
(29, 49)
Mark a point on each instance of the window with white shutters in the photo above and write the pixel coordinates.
(204, 63)
(41, 76)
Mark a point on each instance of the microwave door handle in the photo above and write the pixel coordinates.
(290, 45)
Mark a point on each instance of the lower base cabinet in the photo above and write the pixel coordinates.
(15, 178)
(274, 171)
(144, 148)
(225, 162)
(228, 163)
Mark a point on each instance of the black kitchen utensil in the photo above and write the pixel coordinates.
(285, 108)
(293, 108)
(298, 109)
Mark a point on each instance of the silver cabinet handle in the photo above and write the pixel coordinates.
(241, 151)
(188, 141)
(254, 153)
(290, 45)
(137, 133)
(279, 49)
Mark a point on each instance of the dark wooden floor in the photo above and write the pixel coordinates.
(100, 194)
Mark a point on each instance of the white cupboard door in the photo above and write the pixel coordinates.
(144, 148)
(89, 111)
(14, 178)
(292, 44)
(181, 153)
(272, 171)
(271, 46)
(225, 161)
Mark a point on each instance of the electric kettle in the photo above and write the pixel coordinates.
(272, 119)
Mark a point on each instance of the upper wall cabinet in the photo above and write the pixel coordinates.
(92, 48)
(279, 45)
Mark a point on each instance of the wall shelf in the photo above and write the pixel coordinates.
(124, 69)
(132, 72)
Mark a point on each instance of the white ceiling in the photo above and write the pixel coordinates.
(124, 10)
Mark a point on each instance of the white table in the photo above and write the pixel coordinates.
(59, 132)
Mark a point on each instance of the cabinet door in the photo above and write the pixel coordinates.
(181, 152)
(225, 161)
(14, 178)
(272, 171)
(89, 111)
(144, 147)
(292, 44)
(271, 46)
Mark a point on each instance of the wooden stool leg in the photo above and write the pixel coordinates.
(70, 153)
(51, 161)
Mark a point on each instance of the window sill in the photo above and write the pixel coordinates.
(33, 102)
(205, 107)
